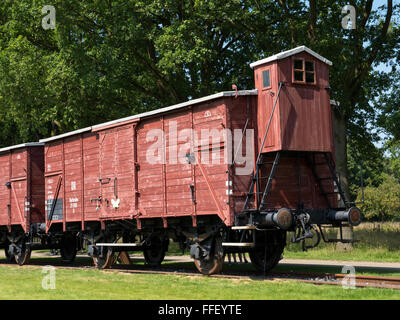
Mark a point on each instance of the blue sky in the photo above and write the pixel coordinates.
(382, 67)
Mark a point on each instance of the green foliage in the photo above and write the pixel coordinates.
(393, 162)
(109, 59)
(382, 203)
(365, 164)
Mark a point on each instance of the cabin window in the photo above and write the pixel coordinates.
(266, 80)
(303, 71)
(310, 72)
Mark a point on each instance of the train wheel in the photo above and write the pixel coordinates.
(109, 257)
(268, 251)
(154, 254)
(9, 258)
(24, 254)
(105, 262)
(68, 248)
(214, 263)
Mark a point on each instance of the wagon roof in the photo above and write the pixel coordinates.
(157, 111)
(22, 145)
(180, 105)
(289, 53)
(67, 134)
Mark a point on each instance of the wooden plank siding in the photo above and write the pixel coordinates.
(72, 162)
(146, 190)
(302, 119)
(22, 201)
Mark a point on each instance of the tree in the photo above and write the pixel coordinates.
(382, 203)
(109, 59)
(393, 161)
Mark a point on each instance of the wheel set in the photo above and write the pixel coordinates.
(208, 255)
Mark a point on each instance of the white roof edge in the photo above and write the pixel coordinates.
(180, 105)
(71, 133)
(150, 113)
(22, 145)
(288, 53)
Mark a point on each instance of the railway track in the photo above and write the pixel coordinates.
(314, 278)
(359, 281)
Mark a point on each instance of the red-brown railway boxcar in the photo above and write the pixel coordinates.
(148, 166)
(21, 196)
(109, 173)
(71, 168)
(227, 173)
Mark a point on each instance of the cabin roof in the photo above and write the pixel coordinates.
(289, 53)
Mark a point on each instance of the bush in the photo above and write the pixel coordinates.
(383, 202)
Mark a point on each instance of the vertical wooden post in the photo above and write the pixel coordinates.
(9, 191)
(135, 168)
(193, 170)
(63, 182)
(83, 185)
(27, 212)
(163, 171)
(227, 123)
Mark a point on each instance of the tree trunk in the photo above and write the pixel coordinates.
(340, 139)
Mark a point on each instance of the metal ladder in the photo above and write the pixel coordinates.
(256, 181)
(259, 163)
(327, 162)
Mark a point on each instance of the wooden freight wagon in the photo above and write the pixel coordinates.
(21, 196)
(233, 170)
(104, 173)
(176, 180)
(71, 179)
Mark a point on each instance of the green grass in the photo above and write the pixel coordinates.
(138, 260)
(330, 253)
(366, 271)
(377, 242)
(25, 283)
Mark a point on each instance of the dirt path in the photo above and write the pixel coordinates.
(393, 266)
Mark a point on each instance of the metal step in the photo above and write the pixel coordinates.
(244, 228)
(237, 244)
(118, 244)
(250, 211)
